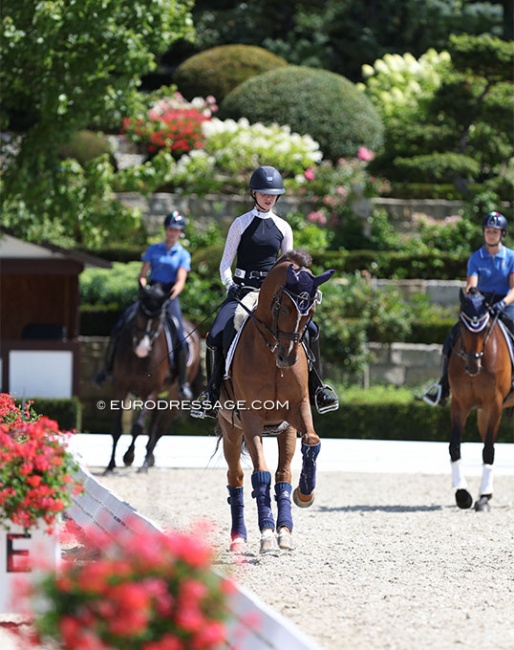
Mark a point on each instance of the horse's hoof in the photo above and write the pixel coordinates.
(143, 469)
(301, 500)
(128, 458)
(151, 460)
(109, 471)
(238, 545)
(463, 499)
(269, 542)
(482, 504)
(285, 539)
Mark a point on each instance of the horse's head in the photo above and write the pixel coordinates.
(474, 316)
(293, 304)
(149, 318)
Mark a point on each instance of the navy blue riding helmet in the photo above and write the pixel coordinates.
(267, 180)
(175, 220)
(495, 220)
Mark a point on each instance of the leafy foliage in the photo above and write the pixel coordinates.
(70, 66)
(461, 130)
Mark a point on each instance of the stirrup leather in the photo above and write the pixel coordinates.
(433, 399)
(320, 408)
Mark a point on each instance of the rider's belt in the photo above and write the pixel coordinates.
(249, 275)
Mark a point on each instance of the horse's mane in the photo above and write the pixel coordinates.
(297, 256)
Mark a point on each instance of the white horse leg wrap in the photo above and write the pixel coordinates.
(486, 487)
(458, 480)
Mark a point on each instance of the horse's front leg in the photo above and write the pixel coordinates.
(153, 437)
(116, 433)
(261, 483)
(303, 496)
(488, 424)
(459, 416)
(232, 442)
(283, 489)
(136, 430)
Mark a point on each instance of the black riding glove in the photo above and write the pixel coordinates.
(498, 308)
(233, 292)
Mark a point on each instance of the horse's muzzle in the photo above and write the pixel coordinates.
(285, 358)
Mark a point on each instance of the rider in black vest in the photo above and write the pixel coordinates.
(255, 240)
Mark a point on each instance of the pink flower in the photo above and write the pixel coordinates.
(317, 217)
(365, 154)
(309, 174)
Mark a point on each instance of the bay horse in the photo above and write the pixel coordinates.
(267, 393)
(480, 377)
(142, 369)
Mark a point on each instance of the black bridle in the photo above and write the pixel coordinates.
(153, 326)
(303, 304)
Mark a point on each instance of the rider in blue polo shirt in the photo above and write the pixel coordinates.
(167, 263)
(491, 271)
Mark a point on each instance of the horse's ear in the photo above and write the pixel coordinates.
(292, 277)
(462, 296)
(324, 277)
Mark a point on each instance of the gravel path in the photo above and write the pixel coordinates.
(382, 561)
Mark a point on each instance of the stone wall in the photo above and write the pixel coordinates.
(404, 214)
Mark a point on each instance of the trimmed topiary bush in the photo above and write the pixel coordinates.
(319, 103)
(219, 70)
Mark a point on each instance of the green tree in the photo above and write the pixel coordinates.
(462, 134)
(68, 65)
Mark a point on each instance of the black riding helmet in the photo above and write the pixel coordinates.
(266, 180)
(175, 220)
(495, 220)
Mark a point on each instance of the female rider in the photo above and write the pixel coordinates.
(255, 240)
(168, 263)
(491, 271)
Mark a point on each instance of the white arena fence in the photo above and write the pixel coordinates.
(97, 507)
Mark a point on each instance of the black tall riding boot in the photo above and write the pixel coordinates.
(215, 364)
(439, 393)
(322, 396)
(106, 371)
(181, 362)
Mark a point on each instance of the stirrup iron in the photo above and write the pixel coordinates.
(433, 400)
(328, 407)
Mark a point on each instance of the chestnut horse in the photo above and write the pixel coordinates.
(142, 369)
(480, 376)
(267, 393)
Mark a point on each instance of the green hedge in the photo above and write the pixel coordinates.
(394, 265)
(66, 412)
(415, 421)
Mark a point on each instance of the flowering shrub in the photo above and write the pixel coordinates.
(232, 150)
(36, 470)
(147, 591)
(171, 123)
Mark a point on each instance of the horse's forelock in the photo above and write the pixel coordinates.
(298, 256)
